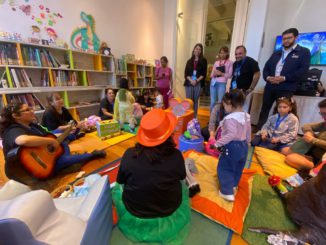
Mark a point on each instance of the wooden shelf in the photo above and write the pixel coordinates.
(26, 90)
(71, 107)
(53, 68)
(83, 67)
(135, 88)
(84, 106)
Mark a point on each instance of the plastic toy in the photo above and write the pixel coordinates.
(187, 135)
(276, 182)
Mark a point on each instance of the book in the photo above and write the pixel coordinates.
(38, 102)
(3, 80)
(20, 78)
(38, 57)
(26, 78)
(15, 78)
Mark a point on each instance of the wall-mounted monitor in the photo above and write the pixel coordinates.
(314, 41)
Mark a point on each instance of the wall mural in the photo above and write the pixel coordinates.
(85, 37)
(44, 19)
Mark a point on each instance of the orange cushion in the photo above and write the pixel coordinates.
(208, 202)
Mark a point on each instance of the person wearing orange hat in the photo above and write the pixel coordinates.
(151, 200)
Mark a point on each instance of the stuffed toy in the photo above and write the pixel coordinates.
(306, 206)
(191, 182)
(193, 127)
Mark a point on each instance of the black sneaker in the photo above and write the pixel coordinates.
(193, 190)
(80, 135)
(98, 154)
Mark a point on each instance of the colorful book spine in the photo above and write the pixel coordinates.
(38, 57)
(9, 77)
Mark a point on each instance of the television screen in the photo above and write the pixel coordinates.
(314, 41)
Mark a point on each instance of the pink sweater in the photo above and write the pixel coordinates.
(164, 82)
(228, 70)
(235, 127)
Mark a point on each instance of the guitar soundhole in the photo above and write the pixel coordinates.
(50, 148)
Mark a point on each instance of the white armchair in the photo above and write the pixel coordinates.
(33, 217)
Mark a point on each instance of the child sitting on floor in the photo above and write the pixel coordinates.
(123, 106)
(281, 129)
(158, 99)
(233, 143)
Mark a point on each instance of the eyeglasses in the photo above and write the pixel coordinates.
(26, 110)
(323, 114)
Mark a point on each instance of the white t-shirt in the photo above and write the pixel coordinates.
(159, 101)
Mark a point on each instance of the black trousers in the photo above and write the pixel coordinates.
(270, 95)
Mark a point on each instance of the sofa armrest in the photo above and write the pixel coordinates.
(13, 189)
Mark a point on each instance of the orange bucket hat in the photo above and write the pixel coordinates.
(156, 127)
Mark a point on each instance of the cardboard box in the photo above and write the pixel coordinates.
(107, 127)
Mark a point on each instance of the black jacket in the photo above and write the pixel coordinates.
(201, 69)
(295, 67)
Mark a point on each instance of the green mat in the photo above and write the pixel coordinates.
(202, 231)
(266, 210)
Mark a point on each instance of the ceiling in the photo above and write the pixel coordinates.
(220, 16)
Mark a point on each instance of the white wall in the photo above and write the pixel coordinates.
(190, 30)
(170, 31)
(305, 15)
(255, 27)
(128, 26)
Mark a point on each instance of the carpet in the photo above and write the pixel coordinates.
(92, 142)
(202, 231)
(266, 210)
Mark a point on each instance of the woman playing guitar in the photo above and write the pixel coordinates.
(56, 117)
(17, 128)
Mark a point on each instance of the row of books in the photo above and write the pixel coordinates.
(121, 65)
(106, 65)
(148, 71)
(140, 72)
(19, 79)
(64, 78)
(30, 99)
(39, 57)
(8, 54)
(2, 105)
(145, 83)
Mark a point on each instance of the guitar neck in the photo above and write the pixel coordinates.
(64, 135)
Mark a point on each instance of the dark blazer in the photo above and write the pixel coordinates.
(201, 69)
(295, 67)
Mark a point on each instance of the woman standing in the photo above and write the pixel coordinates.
(221, 72)
(195, 72)
(163, 74)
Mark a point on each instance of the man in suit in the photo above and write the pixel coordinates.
(283, 71)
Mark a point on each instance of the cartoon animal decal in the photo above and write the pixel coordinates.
(85, 37)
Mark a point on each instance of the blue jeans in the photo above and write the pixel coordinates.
(66, 159)
(217, 92)
(230, 165)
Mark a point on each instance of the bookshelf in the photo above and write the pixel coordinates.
(30, 72)
(140, 76)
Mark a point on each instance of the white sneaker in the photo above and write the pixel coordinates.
(229, 198)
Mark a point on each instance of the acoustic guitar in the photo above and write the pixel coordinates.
(40, 161)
